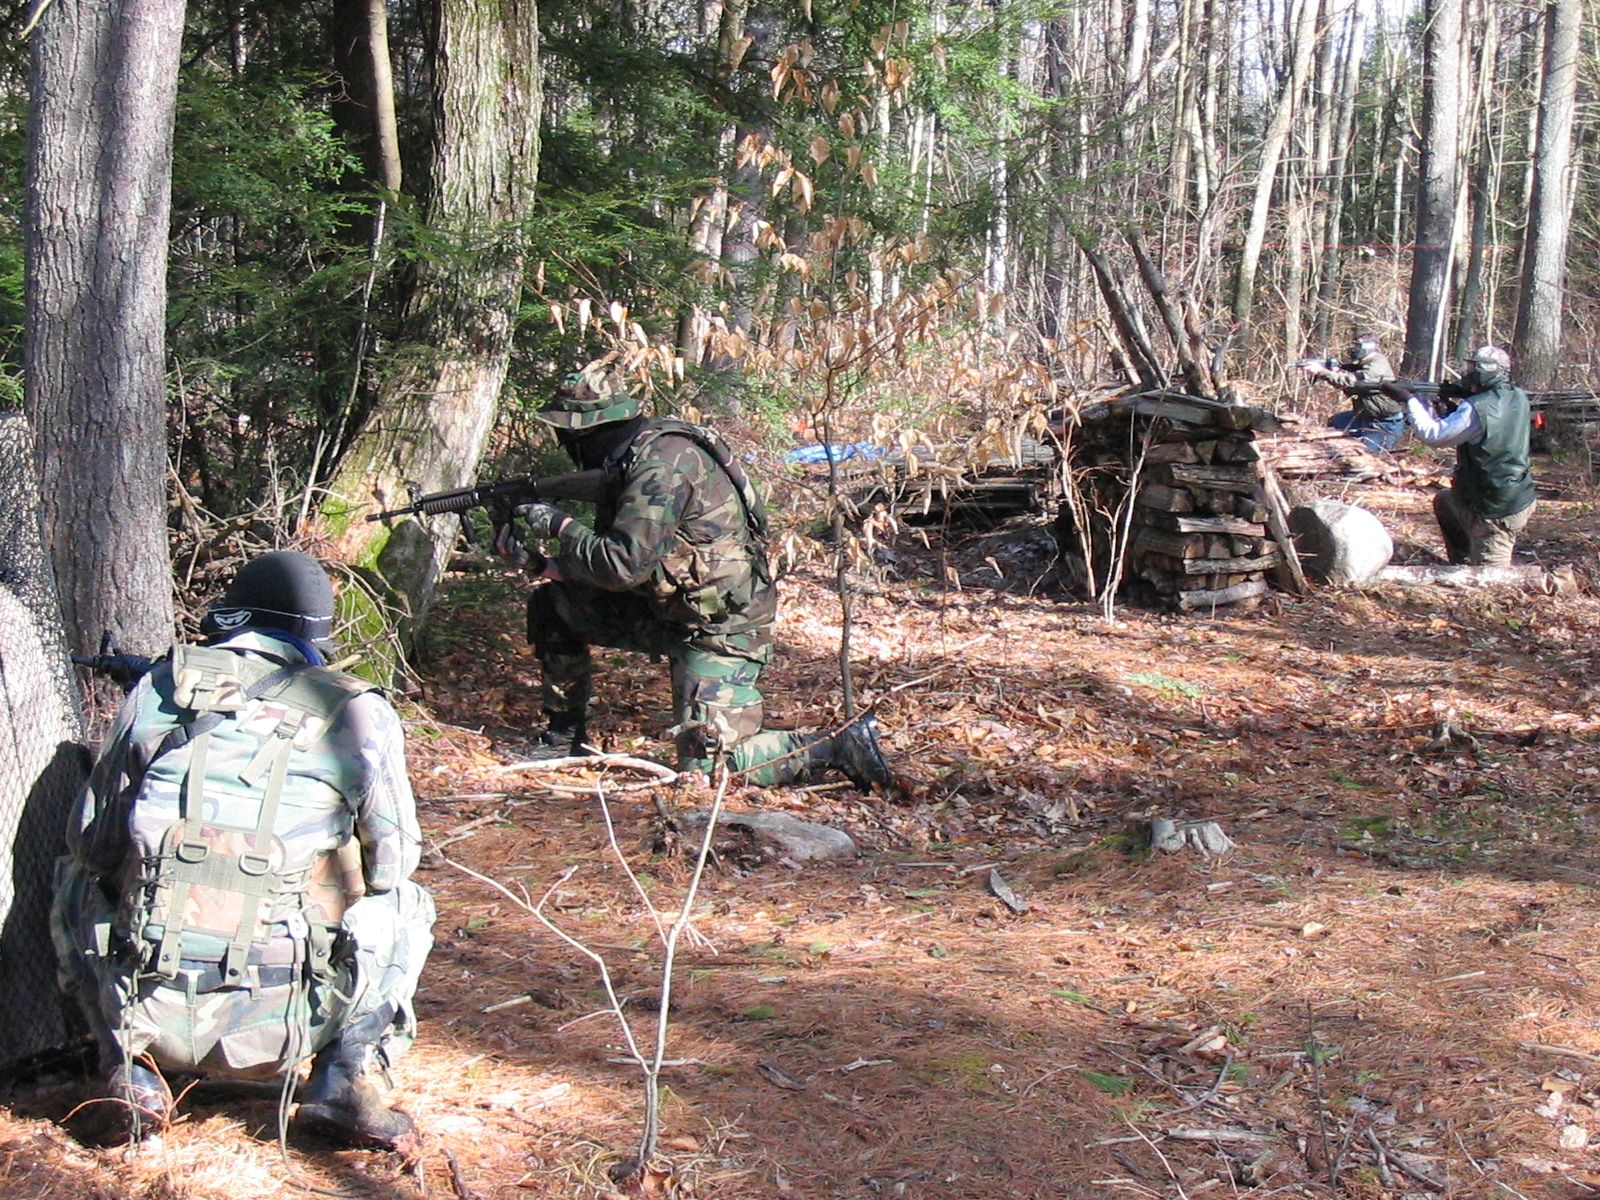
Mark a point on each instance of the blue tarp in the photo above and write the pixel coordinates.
(837, 452)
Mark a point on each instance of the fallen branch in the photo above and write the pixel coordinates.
(1528, 577)
(592, 762)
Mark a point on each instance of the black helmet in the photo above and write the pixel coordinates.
(283, 590)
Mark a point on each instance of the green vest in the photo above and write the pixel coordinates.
(1492, 475)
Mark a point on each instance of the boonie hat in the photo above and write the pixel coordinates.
(589, 397)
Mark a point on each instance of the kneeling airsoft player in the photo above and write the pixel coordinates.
(238, 899)
(676, 566)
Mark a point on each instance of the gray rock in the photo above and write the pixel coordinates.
(1339, 543)
(771, 836)
(1172, 836)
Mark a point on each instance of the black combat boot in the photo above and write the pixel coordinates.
(855, 751)
(562, 738)
(145, 1095)
(341, 1102)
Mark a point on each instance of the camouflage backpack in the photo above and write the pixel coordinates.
(242, 856)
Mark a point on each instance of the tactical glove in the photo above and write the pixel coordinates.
(542, 520)
(508, 546)
(1395, 390)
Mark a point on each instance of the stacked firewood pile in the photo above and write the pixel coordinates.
(1172, 492)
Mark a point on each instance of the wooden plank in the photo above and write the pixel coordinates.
(1216, 597)
(1174, 545)
(1278, 521)
(1233, 566)
(1183, 523)
(1225, 477)
(1160, 407)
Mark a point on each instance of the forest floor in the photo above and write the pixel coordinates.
(1389, 987)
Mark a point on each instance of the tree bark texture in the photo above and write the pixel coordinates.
(104, 83)
(1436, 189)
(438, 398)
(1538, 330)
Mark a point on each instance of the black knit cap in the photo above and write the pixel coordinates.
(282, 589)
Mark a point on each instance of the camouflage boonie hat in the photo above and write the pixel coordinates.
(593, 396)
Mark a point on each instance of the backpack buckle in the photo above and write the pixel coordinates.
(192, 852)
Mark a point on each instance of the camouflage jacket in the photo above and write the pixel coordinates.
(678, 528)
(347, 781)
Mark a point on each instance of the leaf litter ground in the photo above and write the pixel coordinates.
(1389, 988)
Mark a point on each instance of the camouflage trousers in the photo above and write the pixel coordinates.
(259, 1031)
(716, 698)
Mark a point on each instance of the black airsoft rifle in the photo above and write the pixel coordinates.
(120, 668)
(1326, 364)
(503, 497)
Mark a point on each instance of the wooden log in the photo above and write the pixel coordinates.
(1197, 379)
(1125, 317)
(1173, 545)
(1217, 597)
(1247, 564)
(1187, 411)
(1230, 477)
(1171, 452)
(1166, 499)
(1241, 448)
(1527, 576)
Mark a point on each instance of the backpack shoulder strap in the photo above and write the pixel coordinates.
(755, 510)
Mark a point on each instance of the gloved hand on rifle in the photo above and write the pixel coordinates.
(543, 520)
(509, 547)
(1395, 390)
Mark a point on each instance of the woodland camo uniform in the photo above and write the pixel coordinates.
(238, 895)
(675, 566)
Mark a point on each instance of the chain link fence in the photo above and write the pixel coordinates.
(43, 760)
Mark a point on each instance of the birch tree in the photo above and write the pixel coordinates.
(1539, 305)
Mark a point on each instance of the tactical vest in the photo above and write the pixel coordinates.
(729, 581)
(1492, 475)
(242, 856)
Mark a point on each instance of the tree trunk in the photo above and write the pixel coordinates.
(1538, 330)
(103, 89)
(365, 109)
(437, 402)
(1436, 190)
(1277, 136)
